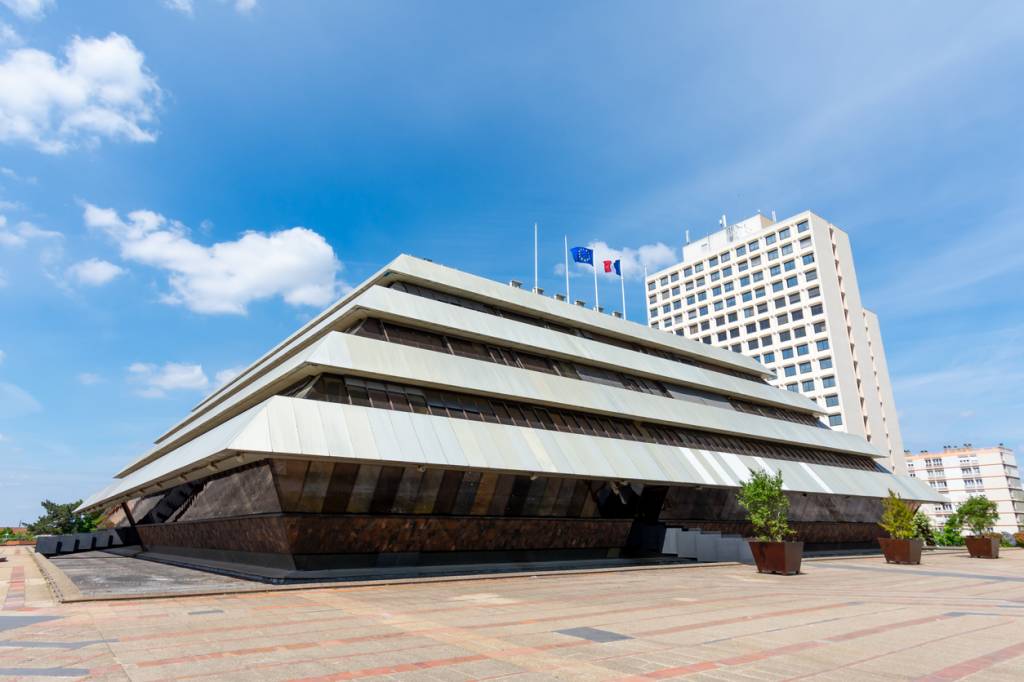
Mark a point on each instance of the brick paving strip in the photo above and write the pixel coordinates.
(962, 669)
(15, 590)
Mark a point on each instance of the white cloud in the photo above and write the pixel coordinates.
(633, 261)
(245, 6)
(183, 6)
(29, 9)
(8, 36)
(89, 378)
(296, 264)
(13, 175)
(970, 396)
(16, 402)
(101, 90)
(172, 376)
(94, 272)
(23, 233)
(225, 375)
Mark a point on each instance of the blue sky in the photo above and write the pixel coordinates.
(182, 184)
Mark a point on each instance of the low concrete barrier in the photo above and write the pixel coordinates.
(50, 545)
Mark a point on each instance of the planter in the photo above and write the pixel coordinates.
(982, 547)
(777, 557)
(901, 551)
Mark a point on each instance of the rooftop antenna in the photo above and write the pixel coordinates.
(687, 235)
(724, 223)
(773, 215)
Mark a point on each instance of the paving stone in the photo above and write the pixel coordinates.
(843, 619)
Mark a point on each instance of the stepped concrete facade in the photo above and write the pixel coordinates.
(435, 417)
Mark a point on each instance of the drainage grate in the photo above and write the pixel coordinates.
(593, 634)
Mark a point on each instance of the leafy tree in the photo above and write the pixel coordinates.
(766, 505)
(923, 528)
(979, 513)
(949, 535)
(897, 517)
(61, 519)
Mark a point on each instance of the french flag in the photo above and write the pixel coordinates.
(610, 265)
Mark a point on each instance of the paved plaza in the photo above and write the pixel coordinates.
(849, 619)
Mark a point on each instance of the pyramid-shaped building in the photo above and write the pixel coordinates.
(435, 417)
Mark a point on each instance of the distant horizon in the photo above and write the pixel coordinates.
(183, 185)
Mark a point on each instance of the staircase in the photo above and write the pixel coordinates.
(706, 546)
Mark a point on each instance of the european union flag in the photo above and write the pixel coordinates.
(582, 254)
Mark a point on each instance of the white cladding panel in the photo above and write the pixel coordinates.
(392, 360)
(368, 435)
(431, 274)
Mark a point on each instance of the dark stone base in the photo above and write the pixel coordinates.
(292, 515)
(322, 542)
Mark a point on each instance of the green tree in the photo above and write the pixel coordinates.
(897, 517)
(923, 528)
(61, 519)
(949, 535)
(767, 506)
(978, 513)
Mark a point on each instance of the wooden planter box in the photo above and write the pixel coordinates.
(901, 551)
(777, 557)
(982, 547)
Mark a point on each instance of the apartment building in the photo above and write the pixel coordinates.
(785, 293)
(959, 472)
(432, 416)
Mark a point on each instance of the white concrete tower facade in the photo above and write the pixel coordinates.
(960, 472)
(785, 293)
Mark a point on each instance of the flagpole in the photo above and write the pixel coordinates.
(568, 298)
(622, 285)
(535, 284)
(593, 263)
(646, 307)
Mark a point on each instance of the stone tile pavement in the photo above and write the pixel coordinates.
(849, 619)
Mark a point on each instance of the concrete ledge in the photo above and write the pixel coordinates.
(61, 587)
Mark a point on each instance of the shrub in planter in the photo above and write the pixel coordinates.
(767, 508)
(923, 528)
(979, 513)
(949, 535)
(1018, 539)
(902, 546)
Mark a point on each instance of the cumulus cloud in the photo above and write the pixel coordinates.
(13, 175)
(89, 378)
(23, 233)
(633, 261)
(245, 6)
(8, 36)
(94, 272)
(156, 381)
(101, 89)
(296, 264)
(16, 402)
(225, 375)
(183, 6)
(29, 9)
